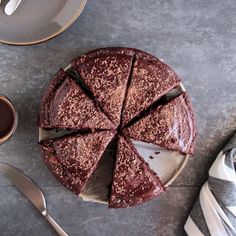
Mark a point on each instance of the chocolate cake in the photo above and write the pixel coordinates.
(134, 182)
(104, 52)
(171, 126)
(73, 159)
(72, 108)
(69, 180)
(151, 79)
(59, 78)
(114, 90)
(106, 76)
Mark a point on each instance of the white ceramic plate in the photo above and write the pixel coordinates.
(38, 21)
(167, 164)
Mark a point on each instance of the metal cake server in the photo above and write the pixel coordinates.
(31, 191)
(11, 6)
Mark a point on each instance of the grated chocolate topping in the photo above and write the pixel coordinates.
(134, 182)
(43, 120)
(63, 175)
(171, 126)
(150, 81)
(72, 108)
(73, 159)
(115, 81)
(110, 51)
(106, 76)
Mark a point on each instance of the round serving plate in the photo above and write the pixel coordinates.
(37, 21)
(167, 164)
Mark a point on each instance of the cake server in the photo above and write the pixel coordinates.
(11, 6)
(31, 191)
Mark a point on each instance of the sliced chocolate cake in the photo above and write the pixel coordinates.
(114, 90)
(69, 180)
(106, 76)
(151, 79)
(73, 159)
(59, 78)
(72, 108)
(133, 182)
(171, 126)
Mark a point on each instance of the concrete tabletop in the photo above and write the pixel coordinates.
(196, 38)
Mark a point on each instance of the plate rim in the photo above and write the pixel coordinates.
(52, 35)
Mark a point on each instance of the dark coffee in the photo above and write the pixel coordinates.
(6, 118)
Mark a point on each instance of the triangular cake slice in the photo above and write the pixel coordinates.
(133, 182)
(151, 79)
(58, 79)
(171, 126)
(69, 180)
(73, 159)
(72, 108)
(106, 76)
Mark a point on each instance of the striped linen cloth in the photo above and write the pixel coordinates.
(214, 212)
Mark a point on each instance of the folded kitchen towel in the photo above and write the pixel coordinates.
(214, 212)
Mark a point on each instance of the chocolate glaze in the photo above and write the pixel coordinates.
(134, 182)
(110, 51)
(171, 126)
(72, 108)
(69, 180)
(106, 75)
(43, 119)
(160, 76)
(73, 159)
(151, 79)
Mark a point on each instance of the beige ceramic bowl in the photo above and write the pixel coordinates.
(38, 21)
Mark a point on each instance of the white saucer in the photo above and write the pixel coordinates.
(38, 21)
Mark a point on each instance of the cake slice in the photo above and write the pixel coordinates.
(133, 182)
(72, 108)
(43, 120)
(171, 126)
(73, 159)
(151, 79)
(63, 175)
(106, 76)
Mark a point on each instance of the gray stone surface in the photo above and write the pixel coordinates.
(164, 216)
(197, 38)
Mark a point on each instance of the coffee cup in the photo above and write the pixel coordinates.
(8, 119)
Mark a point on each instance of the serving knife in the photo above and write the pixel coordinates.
(31, 191)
